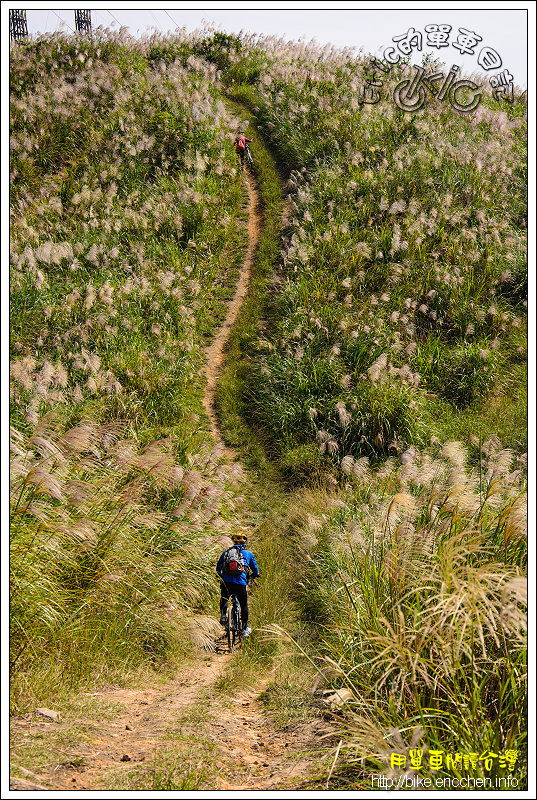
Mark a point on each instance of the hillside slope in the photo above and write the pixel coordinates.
(390, 381)
(374, 386)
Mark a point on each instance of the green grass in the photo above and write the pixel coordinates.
(231, 399)
(399, 249)
(184, 767)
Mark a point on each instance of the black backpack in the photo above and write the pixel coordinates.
(234, 562)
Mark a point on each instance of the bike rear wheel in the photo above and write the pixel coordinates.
(233, 625)
(229, 628)
(237, 623)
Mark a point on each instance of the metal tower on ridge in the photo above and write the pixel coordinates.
(83, 21)
(18, 27)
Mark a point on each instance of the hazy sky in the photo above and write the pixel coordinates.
(369, 26)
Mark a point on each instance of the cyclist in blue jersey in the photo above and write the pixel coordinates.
(235, 571)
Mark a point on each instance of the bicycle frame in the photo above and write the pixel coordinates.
(248, 156)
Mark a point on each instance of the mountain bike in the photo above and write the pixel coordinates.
(233, 623)
(248, 158)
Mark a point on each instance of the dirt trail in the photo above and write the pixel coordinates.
(246, 750)
(147, 716)
(216, 351)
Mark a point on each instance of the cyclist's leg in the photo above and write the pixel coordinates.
(242, 595)
(230, 628)
(235, 615)
(224, 598)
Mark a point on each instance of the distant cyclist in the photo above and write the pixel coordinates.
(235, 567)
(240, 145)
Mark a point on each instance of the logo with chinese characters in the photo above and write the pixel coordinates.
(438, 759)
(462, 94)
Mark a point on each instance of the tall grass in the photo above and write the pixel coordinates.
(386, 319)
(397, 304)
(111, 543)
(415, 581)
(120, 253)
(398, 322)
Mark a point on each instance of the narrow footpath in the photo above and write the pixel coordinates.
(216, 351)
